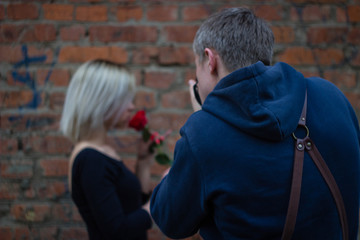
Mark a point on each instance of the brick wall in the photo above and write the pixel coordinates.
(43, 42)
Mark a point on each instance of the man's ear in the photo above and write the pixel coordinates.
(212, 61)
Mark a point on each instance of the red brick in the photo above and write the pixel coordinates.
(309, 73)
(48, 233)
(50, 190)
(126, 13)
(10, 33)
(180, 33)
(297, 56)
(43, 121)
(138, 76)
(189, 74)
(14, 99)
(331, 35)
(6, 233)
(162, 13)
(18, 211)
(144, 55)
(45, 32)
(13, 54)
(268, 12)
(85, 1)
(354, 36)
(82, 54)
(123, 33)
(355, 60)
(354, 13)
(39, 32)
(162, 121)
(9, 191)
(145, 100)
(55, 77)
(341, 78)
(159, 80)
(341, 15)
(56, 100)
(73, 233)
(311, 13)
(62, 212)
(76, 215)
(22, 233)
(329, 56)
(91, 13)
(30, 193)
(283, 34)
(8, 146)
(125, 144)
(72, 33)
(2, 12)
(17, 169)
(317, 1)
(195, 13)
(19, 11)
(54, 167)
(173, 55)
(48, 144)
(30, 213)
(176, 99)
(10, 54)
(59, 12)
(354, 99)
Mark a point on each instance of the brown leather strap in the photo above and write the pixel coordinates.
(294, 193)
(330, 180)
(301, 145)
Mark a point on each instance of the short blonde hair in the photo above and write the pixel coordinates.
(99, 91)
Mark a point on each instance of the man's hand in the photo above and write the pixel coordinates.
(194, 103)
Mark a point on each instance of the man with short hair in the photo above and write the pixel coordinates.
(232, 175)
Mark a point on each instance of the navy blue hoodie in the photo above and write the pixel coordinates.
(232, 168)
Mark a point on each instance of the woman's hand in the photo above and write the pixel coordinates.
(194, 103)
(144, 157)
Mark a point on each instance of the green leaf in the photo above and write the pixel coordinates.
(146, 134)
(163, 159)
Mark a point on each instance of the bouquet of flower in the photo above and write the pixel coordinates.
(139, 123)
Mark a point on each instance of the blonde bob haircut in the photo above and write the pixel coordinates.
(99, 92)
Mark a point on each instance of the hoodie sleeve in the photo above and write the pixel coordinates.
(177, 202)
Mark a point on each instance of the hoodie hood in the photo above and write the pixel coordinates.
(263, 101)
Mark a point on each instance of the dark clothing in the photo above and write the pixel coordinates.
(108, 197)
(233, 164)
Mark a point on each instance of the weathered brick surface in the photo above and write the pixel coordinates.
(59, 12)
(20, 11)
(43, 42)
(72, 33)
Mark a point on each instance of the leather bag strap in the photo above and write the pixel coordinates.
(302, 145)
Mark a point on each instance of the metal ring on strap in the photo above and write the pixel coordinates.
(307, 132)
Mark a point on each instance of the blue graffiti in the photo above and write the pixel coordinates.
(26, 79)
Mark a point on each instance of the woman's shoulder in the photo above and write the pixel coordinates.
(89, 154)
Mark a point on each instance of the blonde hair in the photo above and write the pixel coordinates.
(99, 91)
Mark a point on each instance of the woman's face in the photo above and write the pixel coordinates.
(125, 117)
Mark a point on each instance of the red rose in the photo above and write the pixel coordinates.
(139, 121)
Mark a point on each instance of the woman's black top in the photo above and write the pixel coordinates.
(108, 196)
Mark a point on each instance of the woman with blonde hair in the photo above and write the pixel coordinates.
(110, 198)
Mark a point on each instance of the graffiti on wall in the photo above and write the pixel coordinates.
(19, 75)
